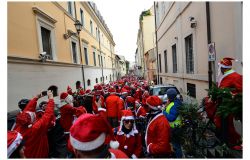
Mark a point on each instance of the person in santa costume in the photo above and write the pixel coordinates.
(228, 78)
(113, 108)
(97, 96)
(157, 138)
(88, 135)
(69, 113)
(69, 90)
(127, 135)
(139, 110)
(15, 145)
(34, 131)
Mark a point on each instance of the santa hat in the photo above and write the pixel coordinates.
(65, 97)
(98, 92)
(26, 118)
(154, 102)
(226, 62)
(89, 132)
(128, 115)
(81, 92)
(69, 88)
(130, 99)
(88, 91)
(111, 90)
(124, 91)
(14, 140)
(99, 88)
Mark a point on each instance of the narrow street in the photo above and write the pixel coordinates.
(153, 79)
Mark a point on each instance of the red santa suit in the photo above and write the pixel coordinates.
(68, 112)
(129, 143)
(230, 79)
(139, 111)
(112, 104)
(35, 133)
(157, 136)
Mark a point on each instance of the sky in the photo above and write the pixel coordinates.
(122, 19)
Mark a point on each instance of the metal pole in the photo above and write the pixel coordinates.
(156, 42)
(79, 39)
(210, 63)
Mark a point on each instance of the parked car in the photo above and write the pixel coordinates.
(161, 92)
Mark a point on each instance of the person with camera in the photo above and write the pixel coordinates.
(97, 96)
(33, 130)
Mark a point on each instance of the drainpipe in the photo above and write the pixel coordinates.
(210, 63)
(156, 42)
(80, 47)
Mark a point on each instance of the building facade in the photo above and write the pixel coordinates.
(46, 29)
(145, 42)
(182, 38)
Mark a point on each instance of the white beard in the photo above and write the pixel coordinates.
(219, 75)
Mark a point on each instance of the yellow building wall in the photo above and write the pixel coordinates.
(23, 37)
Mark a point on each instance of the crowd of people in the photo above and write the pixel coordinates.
(115, 120)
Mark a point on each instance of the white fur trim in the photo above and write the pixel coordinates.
(128, 118)
(114, 144)
(125, 147)
(112, 156)
(148, 147)
(32, 116)
(102, 109)
(153, 107)
(134, 156)
(223, 66)
(88, 146)
(14, 144)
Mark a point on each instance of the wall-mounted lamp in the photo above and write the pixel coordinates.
(70, 33)
(193, 22)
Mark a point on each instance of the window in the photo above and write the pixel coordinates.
(96, 80)
(174, 58)
(101, 79)
(94, 58)
(166, 61)
(91, 27)
(88, 82)
(191, 90)
(46, 34)
(110, 77)
(99, 60)
(104, 62)
(74, 52)
(86, 55)
(106, 77)
(82, 17)
(71, 8)
(46, 42)
(96, 33)
(160, 80)
(189, 54)
(160, 62)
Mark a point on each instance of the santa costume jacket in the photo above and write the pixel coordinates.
(112, 106)
(130, 144)
(36, 140)
(157, 136)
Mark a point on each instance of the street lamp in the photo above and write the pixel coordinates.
(78, 26)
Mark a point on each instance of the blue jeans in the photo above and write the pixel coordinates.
(175, 140)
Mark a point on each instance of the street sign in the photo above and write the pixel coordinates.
(211, 52)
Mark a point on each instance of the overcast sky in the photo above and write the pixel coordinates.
(122, 19)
